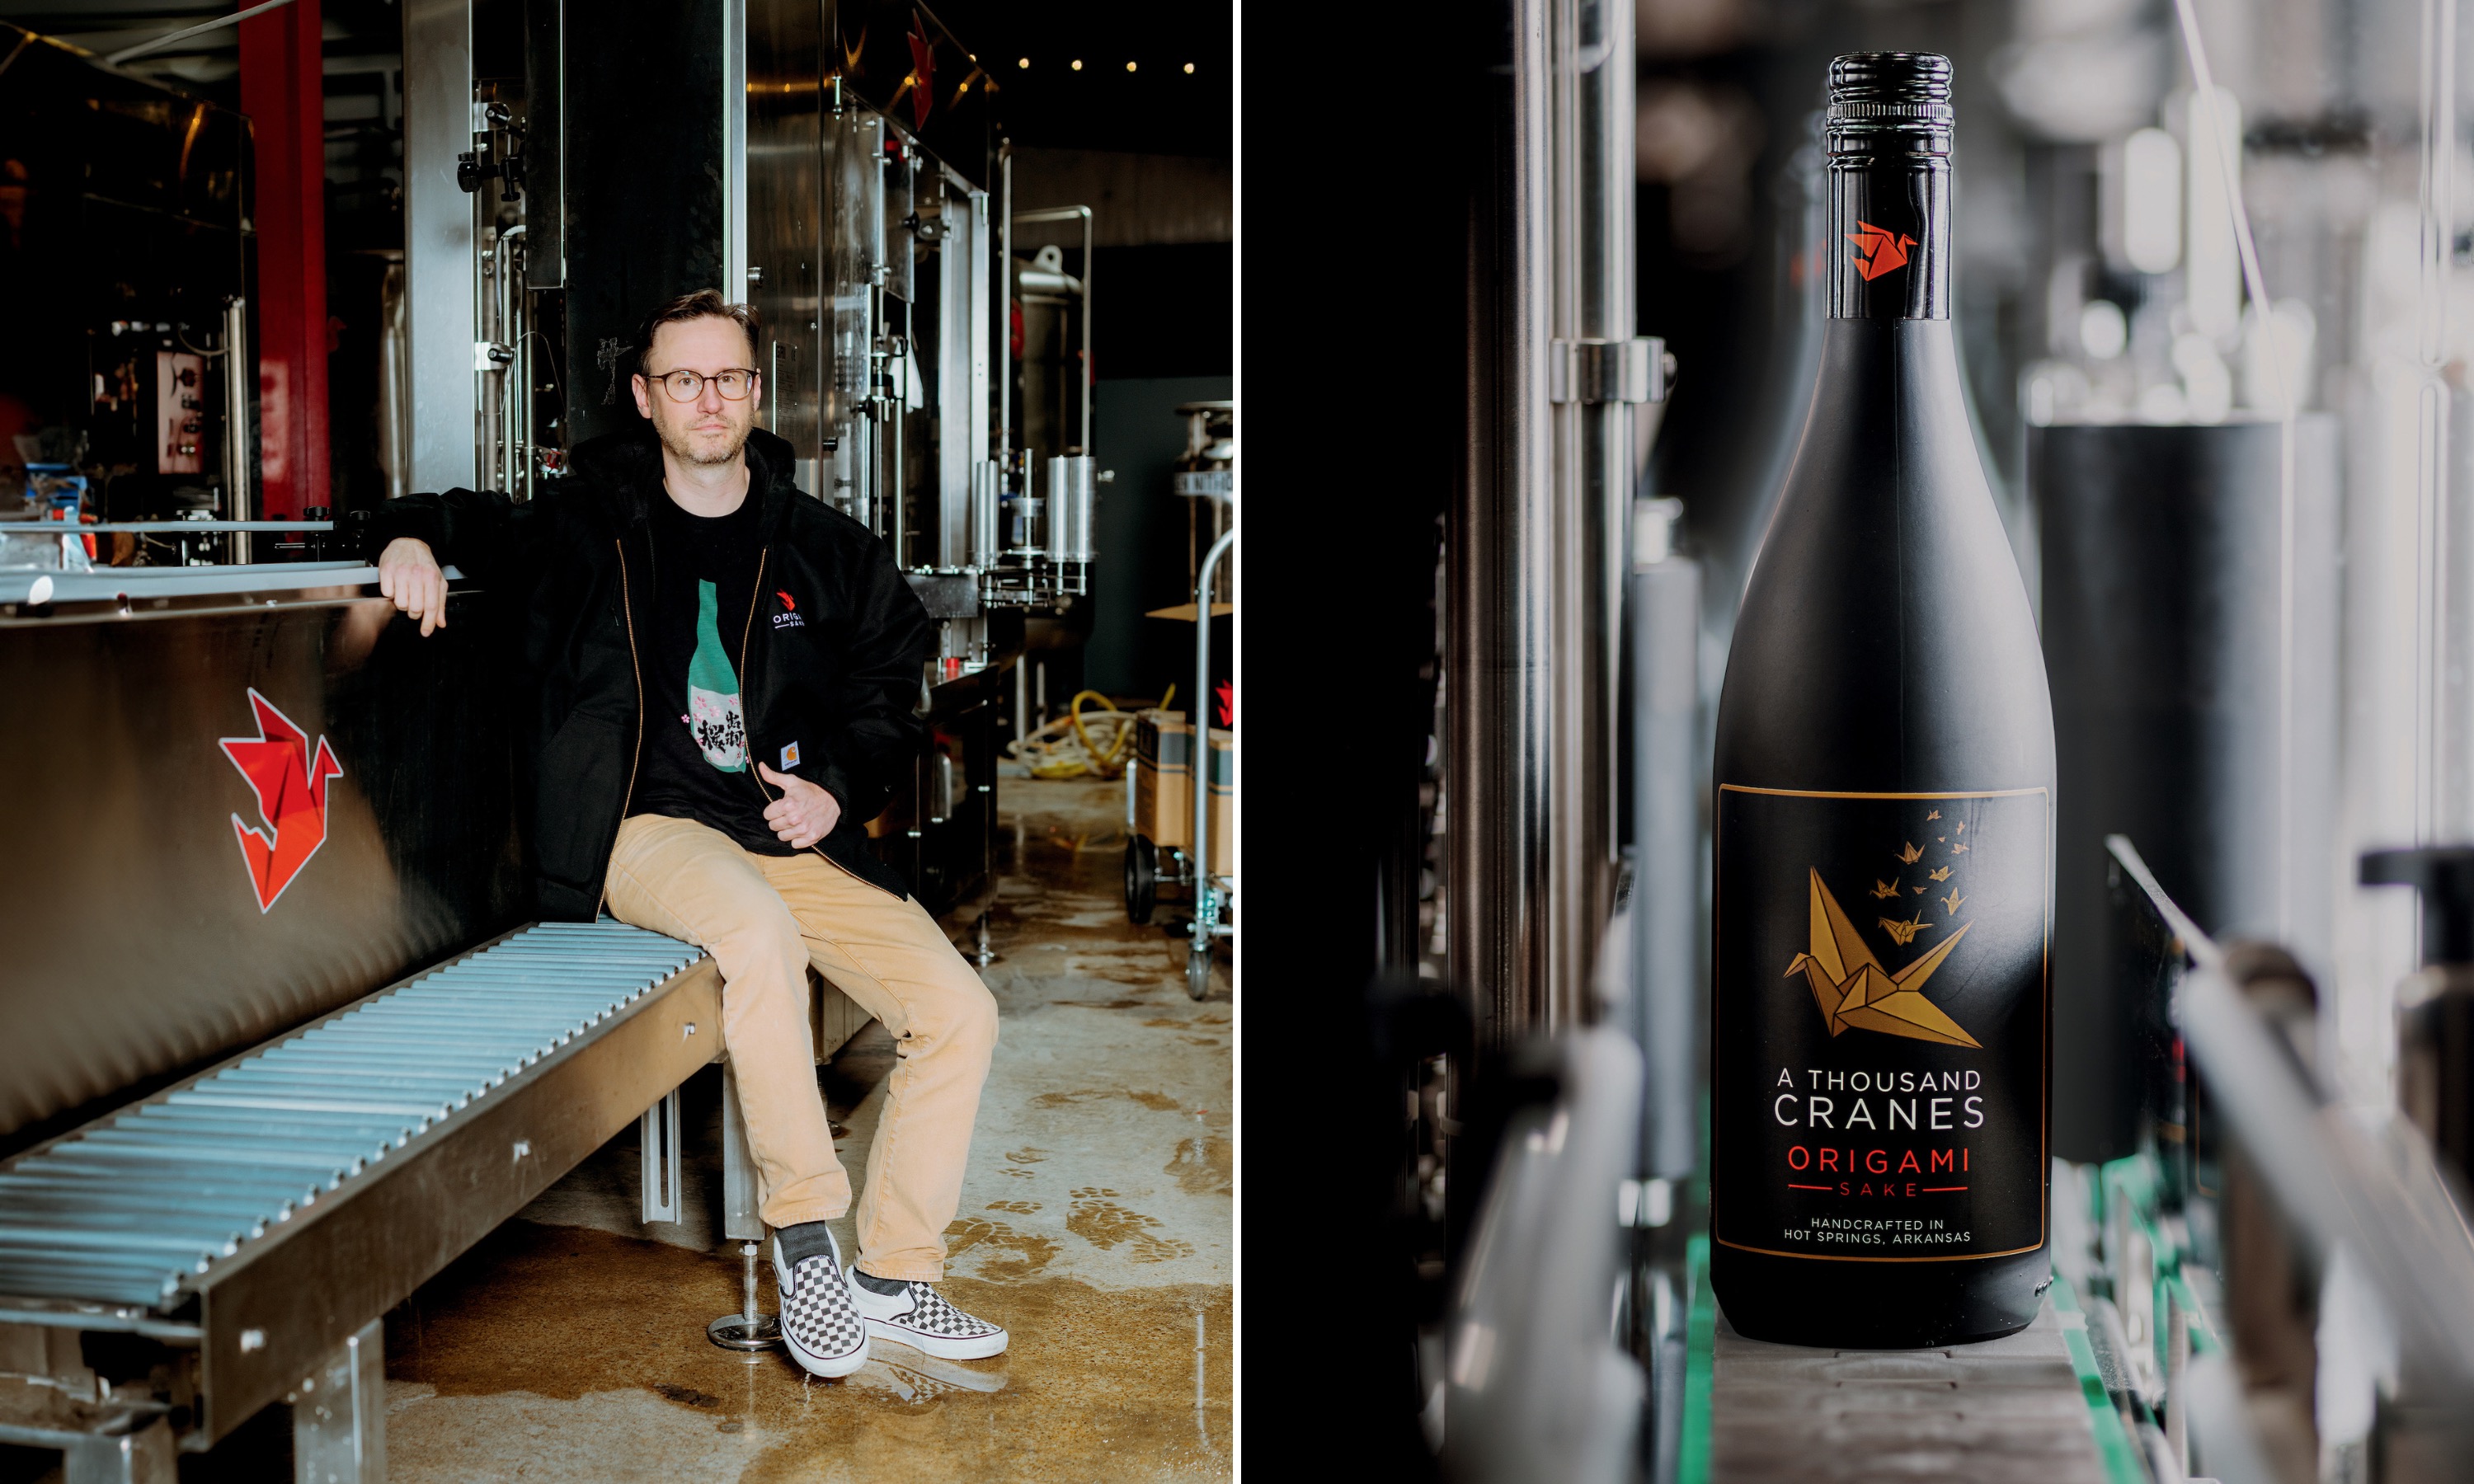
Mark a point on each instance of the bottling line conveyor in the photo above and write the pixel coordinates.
(240, 1234)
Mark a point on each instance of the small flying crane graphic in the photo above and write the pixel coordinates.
(1909, 853)
(1885, 890)
(1903, 933)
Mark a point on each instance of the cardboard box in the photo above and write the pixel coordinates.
(1163, 771)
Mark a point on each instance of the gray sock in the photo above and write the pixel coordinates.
(807, 1239)
(887, 1286)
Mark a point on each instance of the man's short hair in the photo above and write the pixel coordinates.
(702, 304)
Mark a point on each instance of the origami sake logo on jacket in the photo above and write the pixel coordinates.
(290, 781)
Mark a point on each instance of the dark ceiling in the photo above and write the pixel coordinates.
(1159, 108)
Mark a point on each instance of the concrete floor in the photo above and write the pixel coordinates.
(1096, 1224)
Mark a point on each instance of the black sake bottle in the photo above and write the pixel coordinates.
(1885, 839)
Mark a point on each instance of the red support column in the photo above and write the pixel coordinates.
(282, 90)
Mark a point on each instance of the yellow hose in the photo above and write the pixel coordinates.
(1104, 759)
(1082, 754)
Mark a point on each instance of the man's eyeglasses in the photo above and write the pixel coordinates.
(686, 386)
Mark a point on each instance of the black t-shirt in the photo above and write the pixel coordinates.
(696, 761)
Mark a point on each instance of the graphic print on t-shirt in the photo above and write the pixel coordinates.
(714, 716)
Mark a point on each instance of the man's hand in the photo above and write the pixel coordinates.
(804, 814)
(409, 574)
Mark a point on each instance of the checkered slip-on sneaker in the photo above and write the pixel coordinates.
(821, 1329)
(919, 1317)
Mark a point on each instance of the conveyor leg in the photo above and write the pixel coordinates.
(739, 1221)
(339, 1414)
(661, 1141)
(750, 1329)
(143, 1455)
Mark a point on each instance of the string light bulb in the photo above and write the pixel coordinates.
(1189, 67)
(1129, 67)
(1025, 61)
(1078, 63)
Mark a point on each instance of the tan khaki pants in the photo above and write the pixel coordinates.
(765, 919)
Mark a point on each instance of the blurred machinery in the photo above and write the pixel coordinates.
(841, 170)
(858, 196)
(1206, 483)
(131, 373)
(1181, 804)
(1164, 819)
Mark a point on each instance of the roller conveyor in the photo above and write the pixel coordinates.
(263, 1213)
(134, 1209)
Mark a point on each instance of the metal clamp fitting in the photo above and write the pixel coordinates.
(1609, 370)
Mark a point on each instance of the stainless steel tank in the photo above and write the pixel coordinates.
(1069, 508)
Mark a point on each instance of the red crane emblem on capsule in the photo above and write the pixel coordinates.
(1879, 249)
(290, 782)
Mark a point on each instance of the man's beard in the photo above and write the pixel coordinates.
(682, 447)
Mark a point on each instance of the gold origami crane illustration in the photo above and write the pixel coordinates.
(1962, 827)
(1958, 849)
(1952, 901)
(1854, 991)
(1941, 873)
(1934, 815)
(1911, 854)
(1885, 890)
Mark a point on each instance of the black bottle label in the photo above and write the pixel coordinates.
(1879, 1036)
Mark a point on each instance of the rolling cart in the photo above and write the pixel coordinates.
(1155, 870)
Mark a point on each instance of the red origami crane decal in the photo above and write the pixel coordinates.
(923, 71)
(1879, 249)
(291, 787)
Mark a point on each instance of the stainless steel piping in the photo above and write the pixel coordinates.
(1500, 569)
(1001, 322)
(1537, 553)
(439, 242)
(1082, 393)
(240, 432)
(1592, 44)
(1204, 922)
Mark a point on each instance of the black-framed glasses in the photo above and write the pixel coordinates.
(686, 386)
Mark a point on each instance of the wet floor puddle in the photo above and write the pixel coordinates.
(1098, 1383)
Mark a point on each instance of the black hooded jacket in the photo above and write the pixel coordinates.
(842, 682)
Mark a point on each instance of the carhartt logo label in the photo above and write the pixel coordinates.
(290, 782)
(1879, 249)
(789, 617)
